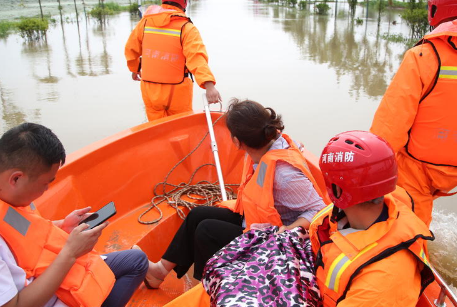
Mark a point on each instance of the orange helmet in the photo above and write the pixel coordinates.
(361, 164)
(439, 10)
(182, 3)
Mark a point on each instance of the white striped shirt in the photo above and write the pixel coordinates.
(293, 193)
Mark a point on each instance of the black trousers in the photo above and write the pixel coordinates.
(204, 231)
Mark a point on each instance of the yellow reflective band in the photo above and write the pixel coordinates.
(448, 76)
(339, 265)
(424, 257)
(322, 212)
(332, 268)
(449, 67)
(162, 31)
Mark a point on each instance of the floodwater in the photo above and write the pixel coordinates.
(324, 74)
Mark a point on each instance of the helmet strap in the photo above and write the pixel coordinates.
(335, 211)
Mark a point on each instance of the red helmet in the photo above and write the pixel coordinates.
(182, 3)
(362, 164)
(439, 10)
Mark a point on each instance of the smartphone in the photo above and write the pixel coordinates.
(100, 216)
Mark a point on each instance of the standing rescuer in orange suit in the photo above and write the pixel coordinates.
(417, 115)
(164, 51)
(369, 245)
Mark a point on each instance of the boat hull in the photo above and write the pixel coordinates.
(125, 168)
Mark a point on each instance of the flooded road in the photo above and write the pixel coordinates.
(324, 74)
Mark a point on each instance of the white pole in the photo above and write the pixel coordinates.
(214, 149)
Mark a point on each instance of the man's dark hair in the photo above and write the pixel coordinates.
(31, 148)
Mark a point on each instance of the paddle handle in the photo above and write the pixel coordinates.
(214, 149)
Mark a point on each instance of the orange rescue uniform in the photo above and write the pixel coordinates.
(255, 195)
(170, 47)
(417, 117)
(35, 242)
(384, 265)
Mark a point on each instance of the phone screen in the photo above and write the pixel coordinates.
(100, 216)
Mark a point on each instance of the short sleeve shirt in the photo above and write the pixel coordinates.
(13, 278)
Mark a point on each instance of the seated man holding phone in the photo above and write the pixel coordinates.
(44, 263)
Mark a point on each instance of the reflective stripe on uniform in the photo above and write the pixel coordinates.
(448, 72)
(322, 212)
(162, 31)
(339, 265)
(17, 221)
(424, 257)
(261, 174)
(306, 166)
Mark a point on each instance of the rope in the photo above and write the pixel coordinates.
(204, 193)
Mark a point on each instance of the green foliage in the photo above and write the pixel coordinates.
(358, 21)
(322, 8)
(6, 27)
(112, 6)
(133, 8)
(33, 28)
(399, 4)
(149, 2)
(399, 38)
(98, 12)
(417, 20)
(302, 5)
(108, 8)
(416, 4)
(352, 6)
(291, 2)
(381, 5)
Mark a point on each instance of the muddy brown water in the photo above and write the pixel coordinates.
(324, 74)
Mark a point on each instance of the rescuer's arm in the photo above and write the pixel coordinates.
(212, 94)
(133, 49)
(391, 282)
(43, 288)
(197, 62)
(398, 108)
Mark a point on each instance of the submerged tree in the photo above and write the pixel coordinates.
(33, 28)
(41, 10)
(322, 8)
(352, 6)
(416, 16)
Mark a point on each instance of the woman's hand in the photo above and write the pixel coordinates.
(282, 229)
(260, 226)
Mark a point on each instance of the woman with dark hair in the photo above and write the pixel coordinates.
(277, 189)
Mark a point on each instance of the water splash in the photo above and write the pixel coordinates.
(443, 251)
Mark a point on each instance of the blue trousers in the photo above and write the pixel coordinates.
(129, 268)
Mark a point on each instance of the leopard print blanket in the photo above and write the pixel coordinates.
(262, 268)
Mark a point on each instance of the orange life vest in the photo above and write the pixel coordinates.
(338, 261)
(433, 136)
(255, 194)
(162, 59)
(35, 243)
